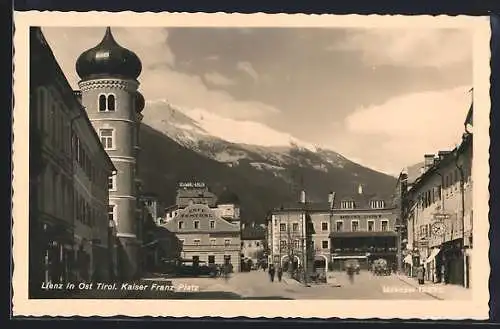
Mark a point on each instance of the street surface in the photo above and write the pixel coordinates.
(256, 285)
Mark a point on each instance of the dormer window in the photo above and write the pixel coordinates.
(377, 204)
(107, 103)
(347, 205)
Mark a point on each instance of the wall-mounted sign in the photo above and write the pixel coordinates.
(192, 185)
(196, 211)
(441, 216)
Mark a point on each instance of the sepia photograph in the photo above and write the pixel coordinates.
(253, 162)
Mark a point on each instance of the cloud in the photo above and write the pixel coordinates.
(159, 79)
(248, 69)
(410, 47)
(218, 79)
(400, 131)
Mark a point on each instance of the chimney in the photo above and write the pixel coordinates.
(360, 189)
(428, 161)
(302, 196)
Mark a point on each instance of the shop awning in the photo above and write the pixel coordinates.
(433, 255)
(407, 259)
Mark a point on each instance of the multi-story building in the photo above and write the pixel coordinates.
(253, 239)
(363, 226)
(207, 225)
(69, 172)
(290, 233)
(206, 237)
(109, 93)
(439, 215)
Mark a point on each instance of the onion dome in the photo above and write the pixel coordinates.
(139, 102)
(228, 197)
(108, 59)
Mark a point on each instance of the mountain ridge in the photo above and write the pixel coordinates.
(175, 147)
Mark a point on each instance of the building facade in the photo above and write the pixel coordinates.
(439, 216)
(206, 237)
(363, 226)
(109, 93)
(69, 170)
(154, 207)
(253, 239)
(291, 234)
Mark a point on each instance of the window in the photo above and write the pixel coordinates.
(354, 226)
(196, 224)
(377, 204)
(180, 225)
(282, 227)
(213, 242)
(227, 242)
(347, 204)
(106, 136)
(257, 243)
(371, 225)
(196, 242)
(295, 227)
(107, 103)
(339, 226)
(296, 244)
(385, 225)
(181, 242)
(324, 244)
(282, 244)
(324, 226)
(211, 259)
(212, 224)
(112, 183)
(111, 212)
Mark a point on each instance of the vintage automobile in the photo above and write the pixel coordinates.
(354, 264)
(380, 267)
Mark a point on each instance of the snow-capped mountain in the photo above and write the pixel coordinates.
(230, 141)
(264, 166)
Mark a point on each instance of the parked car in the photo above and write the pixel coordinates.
(354, 264)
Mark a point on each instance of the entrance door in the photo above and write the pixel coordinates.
(211, 259)
(227, 259)
(196, 261)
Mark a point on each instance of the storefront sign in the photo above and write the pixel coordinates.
(196, 211)
(441, 216)
(192, 185)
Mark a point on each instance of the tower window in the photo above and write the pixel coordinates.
(106, 136)
(112, 183)
(107, 103)
(111, 212)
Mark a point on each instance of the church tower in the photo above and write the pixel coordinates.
(109, 85)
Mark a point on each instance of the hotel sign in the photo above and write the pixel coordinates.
(441, 216)
(197, 211)
(191, 184)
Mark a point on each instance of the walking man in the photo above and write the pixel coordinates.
(271, 272)
(280, 273)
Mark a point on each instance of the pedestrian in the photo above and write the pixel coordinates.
(271, 272)
(421, 274)
(280, 273)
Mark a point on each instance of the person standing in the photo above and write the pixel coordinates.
(421, 274)
(271, 272)
(280, 273)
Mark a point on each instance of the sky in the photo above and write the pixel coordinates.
(380, 97)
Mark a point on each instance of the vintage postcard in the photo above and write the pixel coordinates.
(251, 165)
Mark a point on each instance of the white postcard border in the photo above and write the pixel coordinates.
(477, 308)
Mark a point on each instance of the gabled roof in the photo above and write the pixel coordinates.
(361, 201)
(204, 215)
